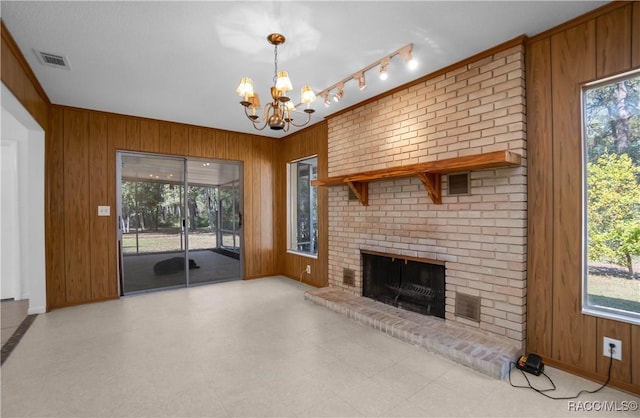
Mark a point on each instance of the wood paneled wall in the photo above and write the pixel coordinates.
(305, 143)
(603, 43)
(18, 77)
(81, 175)
(81, 253)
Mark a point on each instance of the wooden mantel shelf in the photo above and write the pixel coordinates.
(429, 173)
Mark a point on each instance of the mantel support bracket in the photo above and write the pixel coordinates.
(433, 183)
(361, 190)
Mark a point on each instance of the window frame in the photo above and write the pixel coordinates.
(587, 308)
(289, 228)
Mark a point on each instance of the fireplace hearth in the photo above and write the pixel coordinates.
(410, 284)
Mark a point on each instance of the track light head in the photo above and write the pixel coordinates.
(339, 94)
(383, 69)
(325, 99)
(362, 82)
(407, 53)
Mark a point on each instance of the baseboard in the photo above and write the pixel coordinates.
(36, 310)
(618, 384)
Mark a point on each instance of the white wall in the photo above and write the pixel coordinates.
(26, 207)
(9, 214)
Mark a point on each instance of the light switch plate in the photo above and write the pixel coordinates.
(104, 210)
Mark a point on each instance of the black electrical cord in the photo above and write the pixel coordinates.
(553, 386)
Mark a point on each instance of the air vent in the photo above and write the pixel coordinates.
(468, 306)
(348, 277)
(53, 60)
(458, 184)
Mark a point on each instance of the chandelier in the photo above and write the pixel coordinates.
(278, 113)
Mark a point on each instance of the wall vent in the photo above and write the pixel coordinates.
(458, 184)
(468, 306)
(348, 277)
(53, 60)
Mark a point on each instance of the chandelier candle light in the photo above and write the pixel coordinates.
(277, 114)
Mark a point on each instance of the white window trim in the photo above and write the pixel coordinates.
(288, 231)
(587, 309)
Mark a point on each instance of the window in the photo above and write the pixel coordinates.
(611, 145)
(303, 207)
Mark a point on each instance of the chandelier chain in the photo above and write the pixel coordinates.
(275, 62)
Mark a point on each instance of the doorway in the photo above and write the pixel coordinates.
(22, 224)
(173, 218)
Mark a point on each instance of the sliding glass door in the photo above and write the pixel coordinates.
(230, 217)
(153, 241)
(169, 222)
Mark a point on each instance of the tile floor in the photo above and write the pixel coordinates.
(472, 348)
(13, 313)
(249, 348)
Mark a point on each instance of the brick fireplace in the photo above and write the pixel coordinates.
(476, 107)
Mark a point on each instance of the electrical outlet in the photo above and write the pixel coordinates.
(617, 349)
(308, 270)
(104, 210)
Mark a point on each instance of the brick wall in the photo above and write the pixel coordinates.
(476, 108)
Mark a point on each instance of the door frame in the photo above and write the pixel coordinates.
(185, 160)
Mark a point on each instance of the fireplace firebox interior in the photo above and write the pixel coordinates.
(408, 284)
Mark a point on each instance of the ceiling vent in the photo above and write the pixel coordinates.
(53, 60)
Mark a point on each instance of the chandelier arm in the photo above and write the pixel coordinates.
(255, 122)
(303, 124)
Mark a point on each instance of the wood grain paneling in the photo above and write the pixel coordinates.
(179, 139)
(133, 134)
(195, 142)
(102, 274)
(600, 45)
(572, 61)
(164, 129)
(149, 136)
(54, 211)
(117, 131)
(210, 144)
(308, 142)
(540, 209)
(635, 35)
(613, 41)
(265, 181)
(620, 331)
(231, 146)
(19, 78)
(635, 356)
(77, 224)
(251, 217)
(83, 150)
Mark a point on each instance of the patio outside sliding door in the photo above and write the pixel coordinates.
(213, 201)
(152, 218)
(179, 221)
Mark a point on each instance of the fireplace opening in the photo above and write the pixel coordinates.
(417, 286)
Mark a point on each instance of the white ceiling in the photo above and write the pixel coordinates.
(182, 61)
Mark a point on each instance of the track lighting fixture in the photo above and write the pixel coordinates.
(406, 52)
